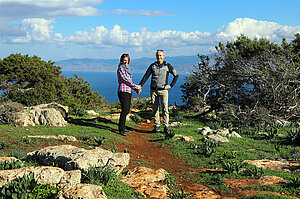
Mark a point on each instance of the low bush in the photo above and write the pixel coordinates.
(136, 118)
(12, 164)
(98, 175)
(27, 188)
(8, 112)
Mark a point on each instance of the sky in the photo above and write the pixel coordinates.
(104, 29)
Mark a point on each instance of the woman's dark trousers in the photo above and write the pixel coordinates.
(125, 99)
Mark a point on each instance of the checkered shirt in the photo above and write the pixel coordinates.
(125, 80)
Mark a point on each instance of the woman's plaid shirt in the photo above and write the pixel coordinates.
(125, 80)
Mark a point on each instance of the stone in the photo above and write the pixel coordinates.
(59, 137)
(80, 191)
(204, 131)
(116, 116)
(185, 138)
(2, 159)
(70, 157)
(44, 114)
(148, 182)
(216, 138)
(283, 165)
(223, 132)
(53, 176)
(177, 124)
(92, 112)
(235, 134)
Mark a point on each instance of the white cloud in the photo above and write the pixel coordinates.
(141, 12)
(36, 29)
(101, 36)
(254, 28)
(20, 9)
(41, 30)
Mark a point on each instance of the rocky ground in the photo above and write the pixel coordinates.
(143, 150)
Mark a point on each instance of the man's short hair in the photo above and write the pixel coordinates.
(160, 51)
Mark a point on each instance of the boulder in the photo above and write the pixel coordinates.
(70, 157)
(205, 130)
(222, 132)
(59, 137)
(44, 114)
(148, 182)
(184, 138)
(216, 138)
(92, 112)
(79, 191)
(53, 176)
(282, 165)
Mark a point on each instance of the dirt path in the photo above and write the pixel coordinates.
(146, 152)
(143, 151)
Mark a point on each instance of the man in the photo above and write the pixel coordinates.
(159, 88)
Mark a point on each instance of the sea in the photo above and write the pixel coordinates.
(106, 84)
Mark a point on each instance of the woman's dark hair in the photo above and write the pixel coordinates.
(123, 56)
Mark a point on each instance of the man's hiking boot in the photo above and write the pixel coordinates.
(166, 130)
(127, 131)
(123, 132)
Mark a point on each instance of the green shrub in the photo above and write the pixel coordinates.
(170, 180)
(79, 112)
(175, 194)
(8, 165)
(141, 103)
(3, 144)
(253, 172)
(99, 140)
(136, 118)
(99, 175)
(294, 136)
(207, 148)
(84, 137)
(232, 166)
(18, 154)
(169, 134)
(26, 188)
(114, 149)
(8, 112)
(42, 83)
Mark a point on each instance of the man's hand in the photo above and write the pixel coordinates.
(167, 86)
(139, 89)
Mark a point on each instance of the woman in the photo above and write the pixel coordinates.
(125, 90)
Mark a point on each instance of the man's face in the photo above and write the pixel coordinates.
(160, 56)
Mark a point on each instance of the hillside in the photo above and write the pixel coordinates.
(183, 64)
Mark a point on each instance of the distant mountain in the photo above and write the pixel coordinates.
(183, 64)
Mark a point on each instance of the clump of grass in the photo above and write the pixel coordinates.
(99, 176)
(99, 140)
(136, 118)
(79, 112)
(84, 137)
(170, 180)
(176, 194)
(3, 144)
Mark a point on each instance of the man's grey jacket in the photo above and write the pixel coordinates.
(160, 74)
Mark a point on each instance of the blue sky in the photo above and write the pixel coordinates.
(63, 29)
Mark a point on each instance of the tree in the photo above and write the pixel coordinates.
(31, 81)
(251, 81)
